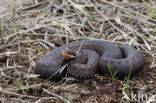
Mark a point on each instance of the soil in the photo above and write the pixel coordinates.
(31, 28)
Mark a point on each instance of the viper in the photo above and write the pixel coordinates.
(90, 57)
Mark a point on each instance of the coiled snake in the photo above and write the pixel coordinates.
(93, 57)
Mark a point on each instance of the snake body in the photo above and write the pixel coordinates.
(95, 56)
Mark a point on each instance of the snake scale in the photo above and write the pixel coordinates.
(94, 57)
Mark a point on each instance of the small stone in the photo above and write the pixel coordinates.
(51, 31)
(43, 30)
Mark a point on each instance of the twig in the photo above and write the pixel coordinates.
(57, 96)
(11, 93)
(39, 100)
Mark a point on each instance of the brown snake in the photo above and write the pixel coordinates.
(92, 58)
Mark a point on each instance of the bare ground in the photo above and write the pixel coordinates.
(24, 39)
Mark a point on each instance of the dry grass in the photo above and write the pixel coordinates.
(22, 44)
